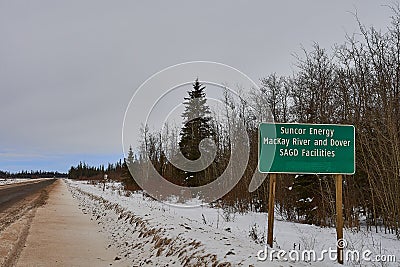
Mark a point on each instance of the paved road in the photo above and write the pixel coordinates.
(10, 194)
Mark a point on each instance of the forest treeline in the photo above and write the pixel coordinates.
(114, 171)
(357, 83)
(84, 171)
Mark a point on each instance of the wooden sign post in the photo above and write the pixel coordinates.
(271, 200)
(307, 149)
(339, 217)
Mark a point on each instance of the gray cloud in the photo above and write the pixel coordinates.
(69, 68)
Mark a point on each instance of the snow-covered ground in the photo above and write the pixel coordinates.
(150, 233)
(14, 180)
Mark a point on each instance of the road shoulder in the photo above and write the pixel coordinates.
(61, 235)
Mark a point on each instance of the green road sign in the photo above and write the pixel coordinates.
(306, 148)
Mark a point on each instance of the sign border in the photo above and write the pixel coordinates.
(317, 173)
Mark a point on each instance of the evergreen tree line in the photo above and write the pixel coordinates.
(116, 172)
(83, 171)
(357, 83)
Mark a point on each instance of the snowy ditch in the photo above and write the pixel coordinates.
(149, 233)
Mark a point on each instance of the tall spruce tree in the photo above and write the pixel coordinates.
(197, 126)
(126, 176)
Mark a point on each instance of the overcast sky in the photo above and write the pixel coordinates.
(69, 68)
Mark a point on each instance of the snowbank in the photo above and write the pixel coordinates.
(152, 233)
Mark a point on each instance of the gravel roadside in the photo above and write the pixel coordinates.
(61, 235)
